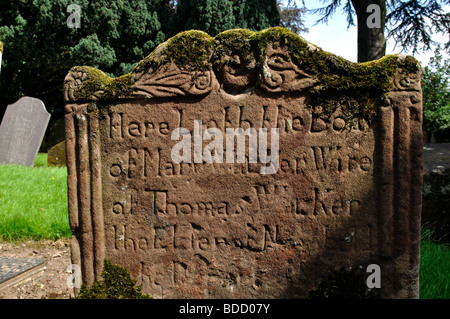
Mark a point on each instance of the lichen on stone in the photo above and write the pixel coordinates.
(233, 42)
(354, 87)
(96, 82)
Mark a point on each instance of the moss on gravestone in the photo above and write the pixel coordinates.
(190, 50)
(354, 87)
(98, 81)
(356, 84)
(116, 284)
(234, 41)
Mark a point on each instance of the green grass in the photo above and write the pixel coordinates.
(434, 268)
(33, 205)
(41, 160)
(33, 201)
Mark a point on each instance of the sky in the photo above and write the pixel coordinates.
(334, 37)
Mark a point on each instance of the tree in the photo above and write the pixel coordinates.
(40, 47)
(214, 16)
(42, 41)
(436, 93)
(291, 16)
(211, 16)
(409, 22)
(258, 15)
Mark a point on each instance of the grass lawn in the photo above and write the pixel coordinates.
(33, 205)
(434, 268)
(33, 201)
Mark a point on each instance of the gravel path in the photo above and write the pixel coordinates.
(51, 283)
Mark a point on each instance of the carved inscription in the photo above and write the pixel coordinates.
(288, 119)
(248, 165)
(164, 208)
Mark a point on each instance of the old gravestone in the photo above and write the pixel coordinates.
(22, 130)
(57, 155)
(345, 190)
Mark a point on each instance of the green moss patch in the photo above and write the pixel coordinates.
(334, 72)
(232, 42)
(116, 284)
(354, 87)
(97, 81)
(190, 50)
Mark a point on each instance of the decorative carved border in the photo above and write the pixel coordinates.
(85, 191)
(272, 60)
(400, 185)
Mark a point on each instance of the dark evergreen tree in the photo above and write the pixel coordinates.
(40, 47)
(214, 16)
(260, 14)
(211, 16)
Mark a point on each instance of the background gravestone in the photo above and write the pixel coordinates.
(21, 131)
(346, 193)
(56, 156)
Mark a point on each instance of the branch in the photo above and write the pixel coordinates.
(348, 8)
(412, 23)
(327, 11)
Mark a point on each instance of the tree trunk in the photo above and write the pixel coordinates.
(371, 40)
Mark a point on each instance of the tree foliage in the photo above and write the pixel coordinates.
(211, 16)
(258, 15)
(40, 48)
(436, 93)
(291, 16)
(412, 23)
(214, 16)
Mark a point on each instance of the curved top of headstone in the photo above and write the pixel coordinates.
(240, 61)
(31, 102)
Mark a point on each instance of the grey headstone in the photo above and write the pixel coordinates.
(21, 132)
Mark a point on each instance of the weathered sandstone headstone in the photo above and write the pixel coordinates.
(206, 221)
(56, 155)
(21, 132)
